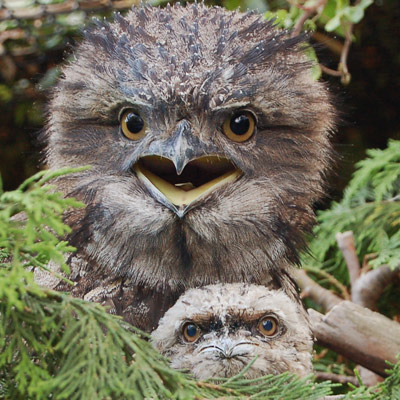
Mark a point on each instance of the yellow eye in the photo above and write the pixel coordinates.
(132, 125)
(191, 332)
(240, 126)
(268, 326)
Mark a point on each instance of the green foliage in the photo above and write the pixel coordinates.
(338, 12)
(32, 238)
(389, 389)
(370, 208)
(56, 346)
(332, 16)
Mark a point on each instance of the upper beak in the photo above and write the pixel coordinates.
(178, 172)
(228, 348)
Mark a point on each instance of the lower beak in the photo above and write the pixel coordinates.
(199, 177)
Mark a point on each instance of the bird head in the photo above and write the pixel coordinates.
(218, 330)
(208, 141)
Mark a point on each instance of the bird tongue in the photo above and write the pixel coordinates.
(186, 186)
(181, 191)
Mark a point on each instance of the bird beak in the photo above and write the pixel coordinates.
(200, 177)
(228, 348)
(177, 175)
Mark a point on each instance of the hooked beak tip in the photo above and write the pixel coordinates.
(179, 164)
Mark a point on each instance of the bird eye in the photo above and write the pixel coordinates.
(132, 125)
(240, 126)
(267, 326)
(191, 332)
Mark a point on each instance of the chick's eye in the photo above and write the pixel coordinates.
(191, 332)
(268, 326)
(240, 126)
(132, 125)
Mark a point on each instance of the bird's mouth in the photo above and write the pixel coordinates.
(200, 177)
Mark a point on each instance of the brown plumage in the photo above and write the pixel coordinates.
(208, 141)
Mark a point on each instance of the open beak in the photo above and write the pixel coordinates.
(195, 180)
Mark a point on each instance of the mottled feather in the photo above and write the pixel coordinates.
(228, 316)
(187, 69)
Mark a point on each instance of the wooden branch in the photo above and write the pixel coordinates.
(324, 297)
(366, 287)
(347, 246)
(345, 53)
(362, 335)
(343, 379)
(368, 377)
(344, 293)
(369, 286)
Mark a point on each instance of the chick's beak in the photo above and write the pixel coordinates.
(228, 348)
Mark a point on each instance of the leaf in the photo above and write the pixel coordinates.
(312, 56)
(333, 24)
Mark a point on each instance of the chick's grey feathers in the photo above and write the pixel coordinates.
(227, 316)
(185, 70)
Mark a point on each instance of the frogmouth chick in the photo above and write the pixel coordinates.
(217, 330)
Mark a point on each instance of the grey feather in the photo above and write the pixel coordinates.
(227, 318)
(188, 66)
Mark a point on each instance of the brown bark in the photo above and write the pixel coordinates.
(324, 297)
(347, 246)
(367, 289)
(343, 379)
(364, 336)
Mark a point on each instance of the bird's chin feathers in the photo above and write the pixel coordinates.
(264, 361)
(230, 237)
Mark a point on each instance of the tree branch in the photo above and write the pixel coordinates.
(310, 288)
(364, 336)
(343, 379)
(347, 246)
(367, 289)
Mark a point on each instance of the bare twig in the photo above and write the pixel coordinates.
(366, 285)
(331, 279)
(307, 13)
(324, 297)
(347, 246)
(367, 289)
(329, 376)
(343, 70)
(300, 22)
(345, 53)
(330, 71)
